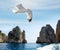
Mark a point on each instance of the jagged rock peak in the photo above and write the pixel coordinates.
(46, 35)
(16, 35)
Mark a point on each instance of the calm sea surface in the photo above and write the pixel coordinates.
(18, 46)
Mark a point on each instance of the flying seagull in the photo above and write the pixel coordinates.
(20, 9)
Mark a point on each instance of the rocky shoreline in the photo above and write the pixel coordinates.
(14, 36)
(46, 35)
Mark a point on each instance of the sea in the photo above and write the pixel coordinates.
(26, 46)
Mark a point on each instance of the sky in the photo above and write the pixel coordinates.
(44, 12)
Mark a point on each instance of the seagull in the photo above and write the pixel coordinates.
(20, 9)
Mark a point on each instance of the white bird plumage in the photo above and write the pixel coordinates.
(20, 9)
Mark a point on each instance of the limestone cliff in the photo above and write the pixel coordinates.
(16, 35)
(2, 37)
(47, 35)
(58, 31)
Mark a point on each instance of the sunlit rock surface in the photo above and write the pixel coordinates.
(2, 37)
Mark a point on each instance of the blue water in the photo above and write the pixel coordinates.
(18, 46)
(28, 46)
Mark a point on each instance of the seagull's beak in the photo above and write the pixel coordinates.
(30, 20)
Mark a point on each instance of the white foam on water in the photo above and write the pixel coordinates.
(49, 47)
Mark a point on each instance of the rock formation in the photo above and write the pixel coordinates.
(16, 35)
(47, 35)
(2, 37)
(23, 34)
(58, 32)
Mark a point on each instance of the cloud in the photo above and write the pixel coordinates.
(33, 4)
(1, 4)
(41, 4)
(11, 22)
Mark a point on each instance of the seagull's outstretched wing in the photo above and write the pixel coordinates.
(29, 15)
(19, 9)
(19, 6)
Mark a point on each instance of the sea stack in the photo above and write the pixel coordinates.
(58, 32)
(46, 35)
(16, 35)
(2, 37)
